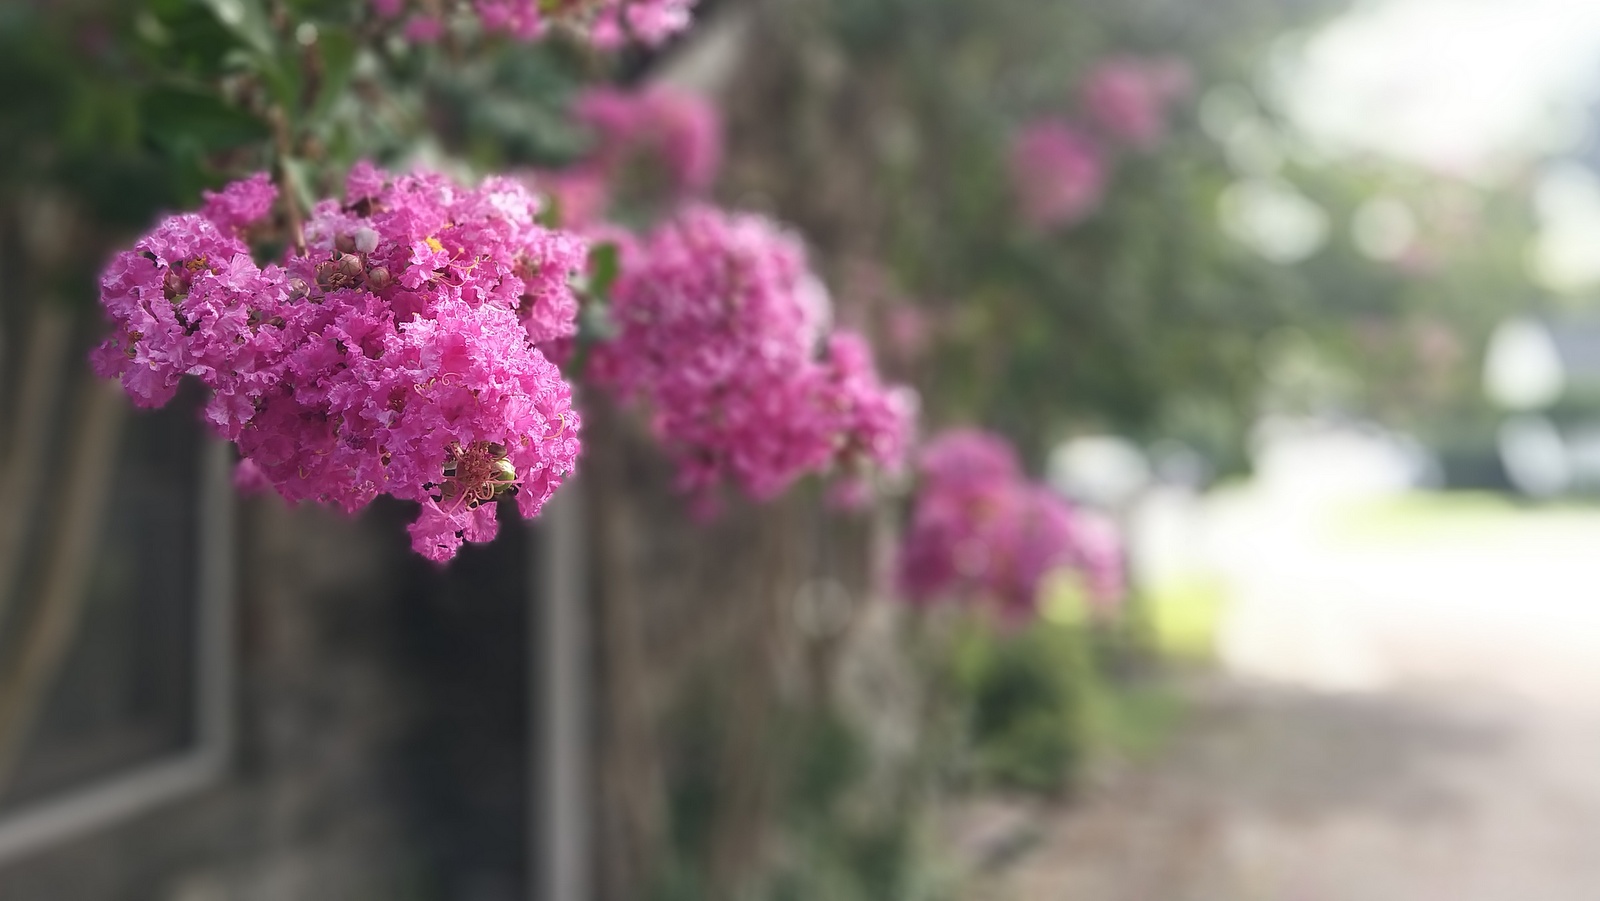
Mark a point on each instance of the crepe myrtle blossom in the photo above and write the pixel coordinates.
(721, 335)
(1058, 173)
(676, 133)
(398, 354)
(871, 423)
(607, 24)
(659, 145)
(579, 196)
(1128, 98)
(981, 532)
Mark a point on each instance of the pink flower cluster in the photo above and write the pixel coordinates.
(660, 141)
(396, 355)
(603, 23)
(1129, 98)
(718, 323)
(678, 129)
(980, 531)
(1059, 170)
(1059, 173)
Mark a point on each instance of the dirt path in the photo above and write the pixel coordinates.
(1404, 715)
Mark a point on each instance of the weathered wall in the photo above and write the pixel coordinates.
(709, 635)
(381, 734)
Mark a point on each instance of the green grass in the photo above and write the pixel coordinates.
(1438, 517)
(1184, 613)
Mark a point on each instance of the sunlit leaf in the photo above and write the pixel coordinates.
(246, 20)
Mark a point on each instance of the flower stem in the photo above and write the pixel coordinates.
(283, 145)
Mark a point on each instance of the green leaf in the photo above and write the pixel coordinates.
(178, 118)
(550, 213)
(300, 182)
(337, 51)
(595, 323)
(246, 20)
(604, 263)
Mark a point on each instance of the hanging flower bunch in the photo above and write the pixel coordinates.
(403, 344)
(604, 23)
(721, 334)
(718, 328)
(395, 353)
(981, 532)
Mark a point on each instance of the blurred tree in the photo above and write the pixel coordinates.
(1148, 317)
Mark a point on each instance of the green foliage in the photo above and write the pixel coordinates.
(186, 122)
(117, 110)
(1020, 710)
(838, 845)
(1026, 697)
(1119, 322)
(1147, 318)
(603, 266)
(846, 829)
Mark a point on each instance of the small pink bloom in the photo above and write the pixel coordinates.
(1128, 98)
(580, 194)
(1058, 173)
(241, 204)
(424, 29)
(677, 132)
(982, 534)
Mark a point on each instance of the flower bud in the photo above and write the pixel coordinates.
(327, 271)
(379, 278)
(345, 243)
(365, 240)
(495, 450)
(298, 289)
(350, 266)
(504, 471)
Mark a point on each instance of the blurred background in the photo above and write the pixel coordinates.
(1297, 297)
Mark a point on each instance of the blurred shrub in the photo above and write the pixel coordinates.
(1025, 695)
(847, 829)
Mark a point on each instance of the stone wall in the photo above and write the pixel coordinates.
(381, 734)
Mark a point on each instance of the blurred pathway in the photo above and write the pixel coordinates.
(1410, 712)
